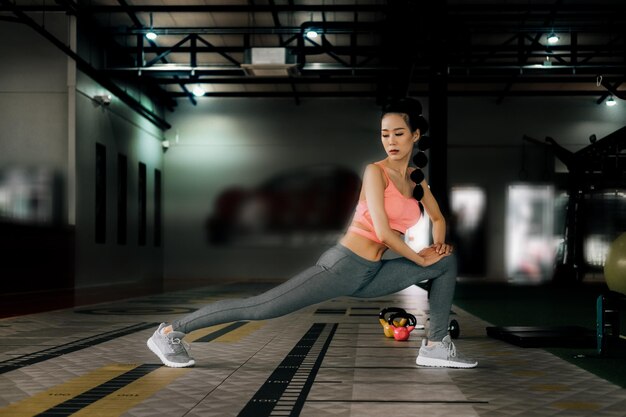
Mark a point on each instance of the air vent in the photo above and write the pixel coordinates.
(269, 62)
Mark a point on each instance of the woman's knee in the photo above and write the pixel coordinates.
(448, 263)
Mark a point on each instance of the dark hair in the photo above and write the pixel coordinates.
(412, 108)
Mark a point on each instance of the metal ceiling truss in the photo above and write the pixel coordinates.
(483, 11)
(471, 61)
(505, 58)
(484, 50)
(140, 58)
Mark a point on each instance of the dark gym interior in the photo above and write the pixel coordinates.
(156, 156)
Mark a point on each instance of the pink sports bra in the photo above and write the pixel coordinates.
(402, 212)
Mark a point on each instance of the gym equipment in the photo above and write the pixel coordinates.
(454, 328)
(544, 336)
(608, 308)
(599, 166)
(384, 320)
(615, 265)
(609, 305)
(401, 333)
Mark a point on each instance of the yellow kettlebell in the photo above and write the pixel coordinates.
(384, 321)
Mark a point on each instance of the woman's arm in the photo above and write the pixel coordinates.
(437, 219)
(374, 186)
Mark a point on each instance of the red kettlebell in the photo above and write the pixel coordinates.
(384, 321)
(401, 333)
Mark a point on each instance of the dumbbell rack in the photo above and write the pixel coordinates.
(608, 309)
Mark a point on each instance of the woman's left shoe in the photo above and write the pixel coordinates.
(442, 355)
(170, 348)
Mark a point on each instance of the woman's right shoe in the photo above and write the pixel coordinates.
(171, 348)
(442, 355)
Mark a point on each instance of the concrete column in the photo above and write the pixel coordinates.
(438, 109)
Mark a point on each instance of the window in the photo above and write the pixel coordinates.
(101, 196)
(141, 218)
(157, 208)
(122, 198)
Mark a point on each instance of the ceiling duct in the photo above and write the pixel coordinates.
(269, 62)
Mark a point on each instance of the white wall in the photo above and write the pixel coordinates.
(33, 97)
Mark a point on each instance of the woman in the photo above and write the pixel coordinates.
(354, 267)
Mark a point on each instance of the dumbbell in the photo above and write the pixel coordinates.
(454, 328)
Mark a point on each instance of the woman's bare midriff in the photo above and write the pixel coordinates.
(363, 246)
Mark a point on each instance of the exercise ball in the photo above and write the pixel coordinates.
(615, 265)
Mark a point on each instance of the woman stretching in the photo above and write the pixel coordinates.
(388, 205)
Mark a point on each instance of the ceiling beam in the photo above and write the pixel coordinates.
(525, 55)
(141, 53)
(314, 80)
(412, 92)
(591, 8)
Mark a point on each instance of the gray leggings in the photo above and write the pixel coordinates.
(338, 272)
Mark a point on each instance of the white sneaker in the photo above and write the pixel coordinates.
(170, 348)
(442, 355)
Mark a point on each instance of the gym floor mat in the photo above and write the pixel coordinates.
(545, 336)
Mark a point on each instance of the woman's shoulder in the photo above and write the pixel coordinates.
(375, 168)
(378, 164)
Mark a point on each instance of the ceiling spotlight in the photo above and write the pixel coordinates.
(311, 34)
(151, 34)
(611, 101)
(553, 38)
(198, 91)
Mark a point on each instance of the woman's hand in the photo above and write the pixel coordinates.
(431, 256)
(442, 248)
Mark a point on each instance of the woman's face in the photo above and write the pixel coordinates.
(396, 137)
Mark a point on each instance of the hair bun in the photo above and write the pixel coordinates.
(411, 107)
(420, 159)
(424, 143)
(417, 176)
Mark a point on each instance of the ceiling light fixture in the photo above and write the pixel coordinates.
(151, 34)
(553, 38)
(311, 34)
(611, 102)
(198, 91)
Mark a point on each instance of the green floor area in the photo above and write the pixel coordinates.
(547, 305)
